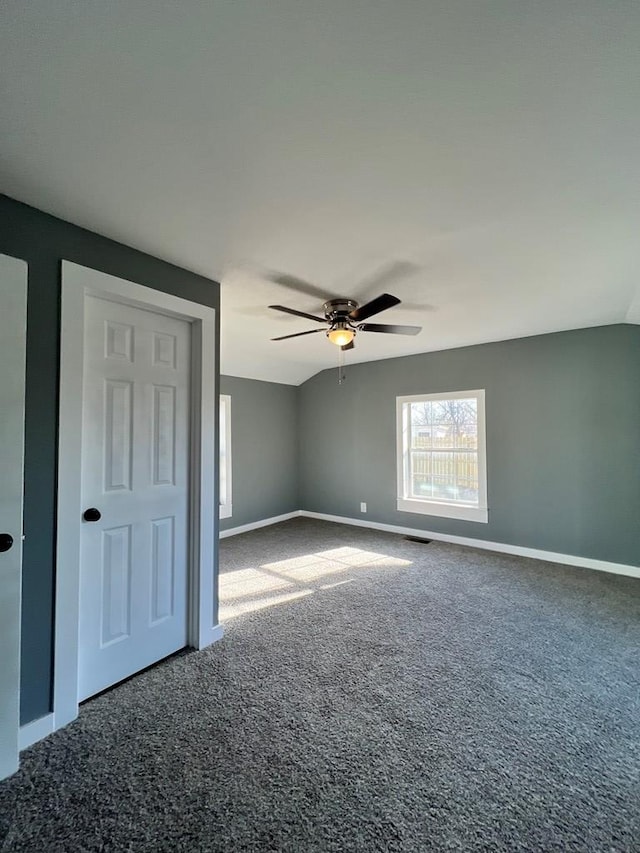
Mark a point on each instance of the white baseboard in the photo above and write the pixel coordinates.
(254, 525)
(500, 547)
(214, 634)
(34, 731)
(38, 729)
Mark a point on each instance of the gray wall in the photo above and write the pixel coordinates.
(264, 439)
(43, 241)
(563, 439)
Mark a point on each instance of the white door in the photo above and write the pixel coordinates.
(135, 465)
(13, 324)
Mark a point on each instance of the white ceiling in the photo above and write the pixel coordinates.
(490, 144)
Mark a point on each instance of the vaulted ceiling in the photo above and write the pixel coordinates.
(477, 158)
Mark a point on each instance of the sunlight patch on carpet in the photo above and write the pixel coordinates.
(254, 588)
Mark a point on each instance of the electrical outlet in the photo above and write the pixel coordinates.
(363, 507)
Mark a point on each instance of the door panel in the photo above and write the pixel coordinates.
(13, 322)
(163, 442)
(116, 584)
(135, 452)
(118, 429)
(162, 569)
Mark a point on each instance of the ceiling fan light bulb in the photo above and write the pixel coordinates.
(341, 337)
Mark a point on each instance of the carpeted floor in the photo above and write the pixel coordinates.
(371, 694)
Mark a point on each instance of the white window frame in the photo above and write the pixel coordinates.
(226, 504)
(443, 508)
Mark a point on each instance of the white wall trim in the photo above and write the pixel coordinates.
(265, 522)
(13, 325)
(226, 496)
(443, 510)
(78, 282)
(500, 547)
(213, 635)
(34, 731)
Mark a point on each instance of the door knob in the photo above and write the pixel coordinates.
(92, 514)
(6, 541)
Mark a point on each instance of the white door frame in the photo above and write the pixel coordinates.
(13, 297)
(203, 628)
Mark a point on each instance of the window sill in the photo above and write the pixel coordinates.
(444, 510)
(225, 511)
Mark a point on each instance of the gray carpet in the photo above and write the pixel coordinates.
(371, 694)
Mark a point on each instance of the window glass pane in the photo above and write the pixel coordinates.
(442, 450)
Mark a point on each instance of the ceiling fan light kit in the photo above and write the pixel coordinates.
(337, 312)
(341, 335)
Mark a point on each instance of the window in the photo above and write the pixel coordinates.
(225, 456)
(442, 455)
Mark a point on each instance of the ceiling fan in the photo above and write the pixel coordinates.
(344, 318)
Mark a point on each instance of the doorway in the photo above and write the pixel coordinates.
(136, 558)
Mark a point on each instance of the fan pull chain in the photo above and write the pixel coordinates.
(341, 373)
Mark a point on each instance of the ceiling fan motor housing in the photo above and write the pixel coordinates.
(338, 310)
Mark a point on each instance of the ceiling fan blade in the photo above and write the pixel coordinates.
(299, 285)
(387, 275)
(297, 313)
(297, 335)
(348, 346)
(389, 330)
(380, 303)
